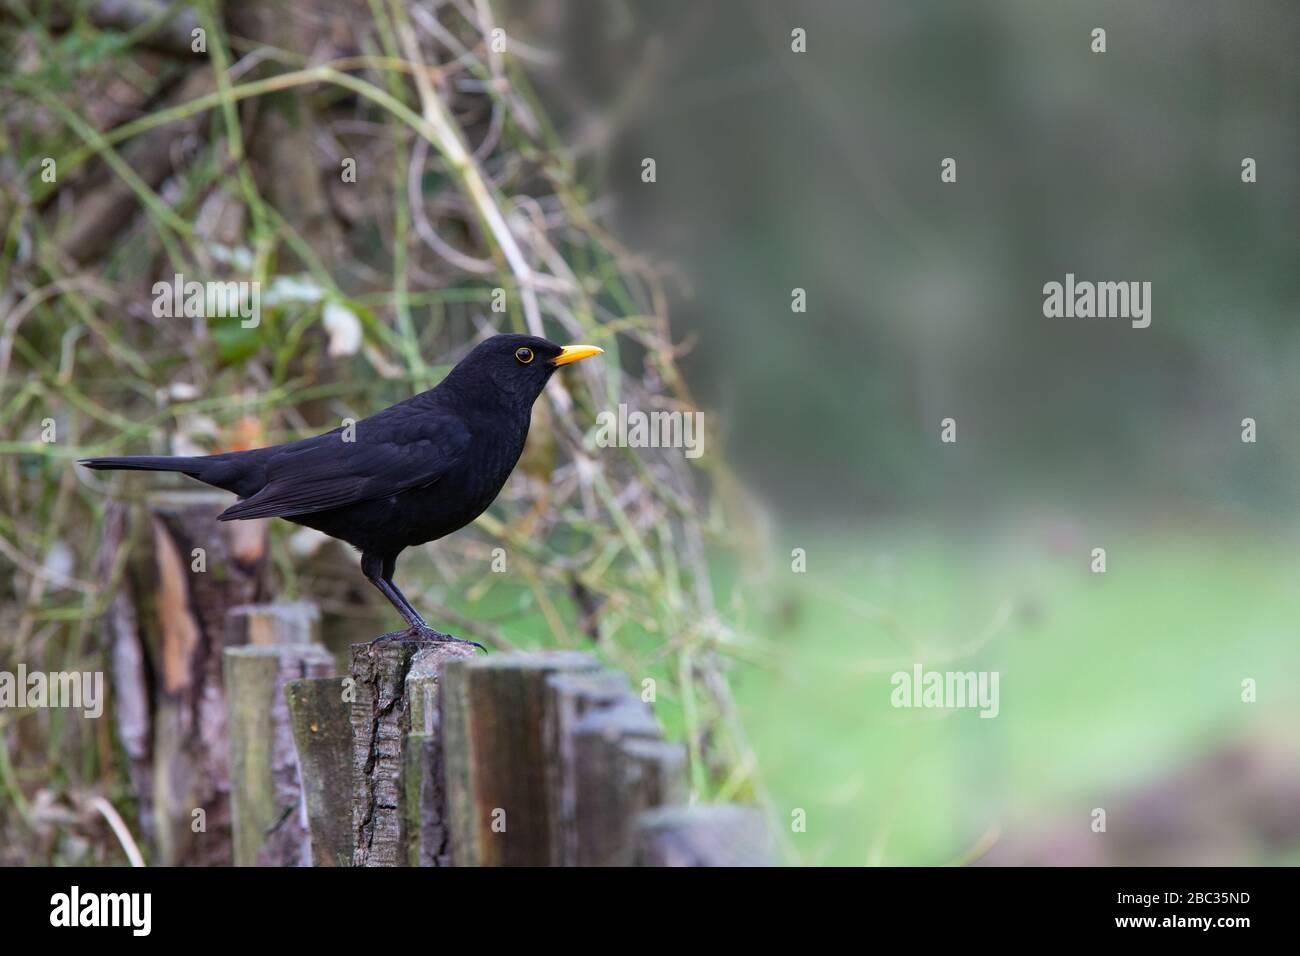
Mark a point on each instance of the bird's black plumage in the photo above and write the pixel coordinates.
(412, 473)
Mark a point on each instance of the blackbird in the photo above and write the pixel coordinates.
(412, 473)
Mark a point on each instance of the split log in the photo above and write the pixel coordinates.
(656, 770)
(322, 732)
(268, 816)
(423, 822)
(381, 719)
(203, 569)
(424, 812)
(610, 788)
(569, 697)
(284, 622)
(493, 720)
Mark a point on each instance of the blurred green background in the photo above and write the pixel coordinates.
(820, 170)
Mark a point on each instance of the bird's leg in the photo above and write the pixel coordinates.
(372, 566)
(394, 594)
(379, 572)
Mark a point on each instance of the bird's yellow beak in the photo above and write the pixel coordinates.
(576, 353)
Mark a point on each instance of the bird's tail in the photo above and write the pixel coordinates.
(183, 464)
(230, 471)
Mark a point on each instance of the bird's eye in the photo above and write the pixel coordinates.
(524, 355)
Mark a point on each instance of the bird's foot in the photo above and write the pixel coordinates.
(423, 632)
(418, 632)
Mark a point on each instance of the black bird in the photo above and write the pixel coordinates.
(412, 473)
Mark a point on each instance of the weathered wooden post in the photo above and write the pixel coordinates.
(569, 697)
(613, 784)
(656, 771)
(715, 835)
(203, 568)
(321, 719)
(268, 817)
(386, 675)
(284, 622)
(424, 808)
(495, 751)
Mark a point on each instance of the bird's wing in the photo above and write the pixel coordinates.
(390, 454)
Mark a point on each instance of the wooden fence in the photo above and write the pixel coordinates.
(243, 744)
(429, 754)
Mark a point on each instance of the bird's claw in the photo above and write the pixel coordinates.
(427, 633)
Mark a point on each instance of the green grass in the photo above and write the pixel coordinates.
(1107, 680)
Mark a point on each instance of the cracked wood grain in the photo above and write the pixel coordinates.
(381, 717)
